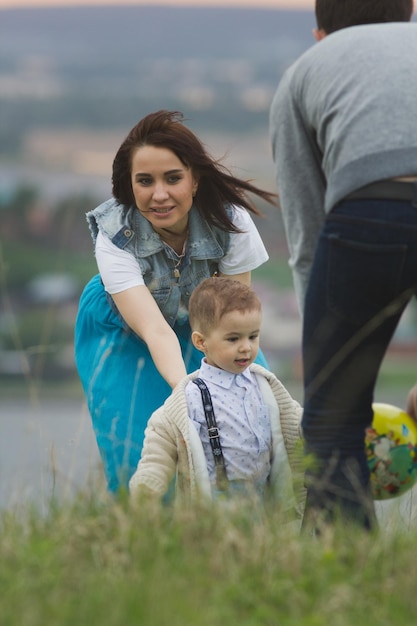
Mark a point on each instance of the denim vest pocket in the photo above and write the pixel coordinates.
(159, 286)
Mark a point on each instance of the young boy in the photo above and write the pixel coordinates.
(257, 423)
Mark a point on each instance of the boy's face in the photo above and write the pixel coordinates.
(234, 343)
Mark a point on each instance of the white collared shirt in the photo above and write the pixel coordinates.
(242, 419)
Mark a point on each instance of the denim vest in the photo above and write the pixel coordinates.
(129, 230)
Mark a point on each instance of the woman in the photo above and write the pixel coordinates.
(177, 217)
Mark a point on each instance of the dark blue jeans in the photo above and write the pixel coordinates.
(364, 274)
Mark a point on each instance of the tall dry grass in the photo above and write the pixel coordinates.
(98, 561)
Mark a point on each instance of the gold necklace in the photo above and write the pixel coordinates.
(177, 263)
(180, 257)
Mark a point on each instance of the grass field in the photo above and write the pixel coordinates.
(93, 561)
(96, 562)
(101, 563)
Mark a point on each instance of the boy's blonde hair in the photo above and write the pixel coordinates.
(214, 297)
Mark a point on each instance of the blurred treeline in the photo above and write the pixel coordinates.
(46, 257)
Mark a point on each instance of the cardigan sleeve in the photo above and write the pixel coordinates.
(158, 462)
(290, 413)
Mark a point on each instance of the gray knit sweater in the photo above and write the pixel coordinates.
(344, 115)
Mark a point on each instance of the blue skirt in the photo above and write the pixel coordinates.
(120, 381)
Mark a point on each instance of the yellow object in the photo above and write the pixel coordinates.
(391, 448)
(390, 418)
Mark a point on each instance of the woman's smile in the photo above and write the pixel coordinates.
(161, 209)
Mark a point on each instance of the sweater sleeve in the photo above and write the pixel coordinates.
(290, 414)
(300, 181)
(158, 462)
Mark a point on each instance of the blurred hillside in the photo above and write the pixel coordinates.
(73, 81)
(105, 67)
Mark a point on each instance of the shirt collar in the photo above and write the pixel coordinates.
(220, 377)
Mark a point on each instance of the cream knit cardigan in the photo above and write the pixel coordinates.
(172, 446)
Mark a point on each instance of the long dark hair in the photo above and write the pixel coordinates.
(217, 187)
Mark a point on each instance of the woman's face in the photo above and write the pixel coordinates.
(163, 188)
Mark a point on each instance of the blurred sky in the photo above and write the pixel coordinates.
(271, 4)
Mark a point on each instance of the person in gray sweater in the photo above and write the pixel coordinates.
(344, 139)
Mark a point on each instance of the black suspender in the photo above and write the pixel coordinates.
(214, 437)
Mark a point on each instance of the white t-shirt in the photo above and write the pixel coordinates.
(119, 269)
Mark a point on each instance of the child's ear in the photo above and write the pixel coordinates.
(198, 340)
